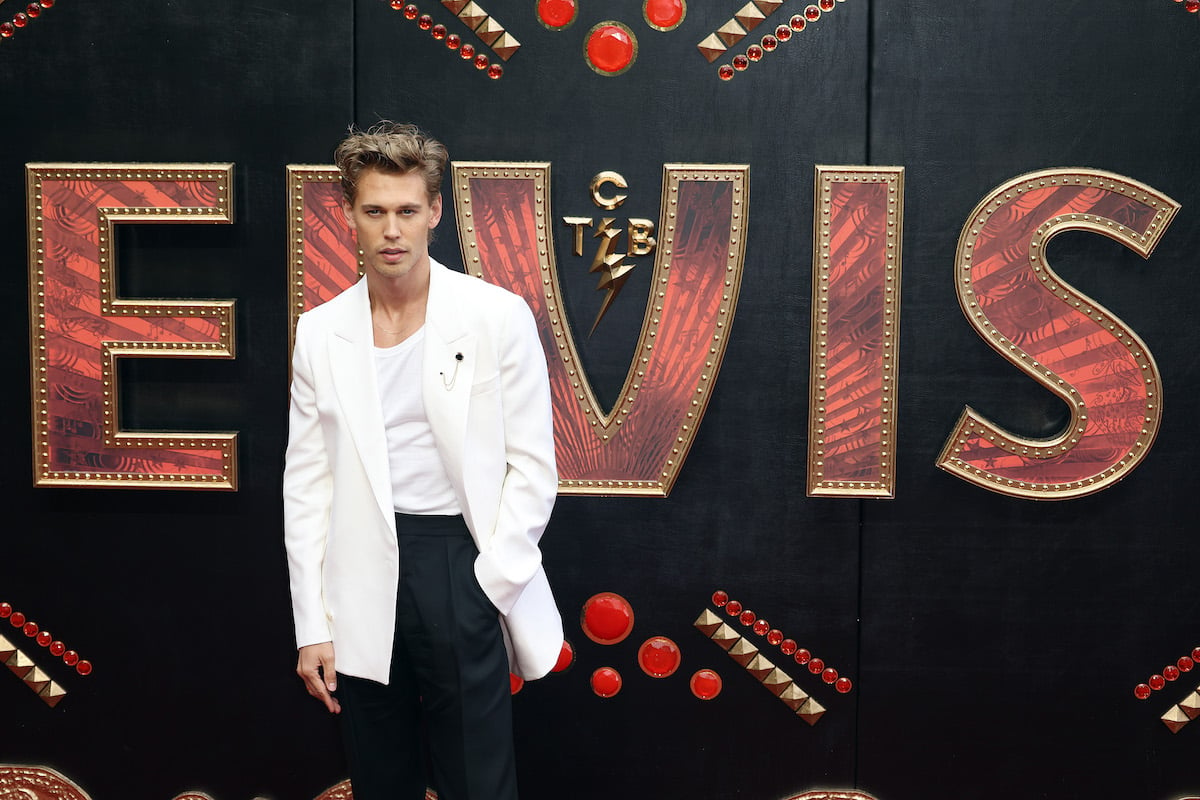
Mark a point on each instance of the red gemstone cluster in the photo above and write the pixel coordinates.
(782, 33)
(452, 40)
(9, 28)
(31, 629)
(1171, 672)
(788, 647)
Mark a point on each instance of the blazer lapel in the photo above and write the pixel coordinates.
(353, 366)
(448, 373)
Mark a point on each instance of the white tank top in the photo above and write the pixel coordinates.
(420, 484)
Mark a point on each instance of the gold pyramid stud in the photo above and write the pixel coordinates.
(37, 680)
(455, 6)
(52, 694)
(811, 711)
(19, 663)
(767, 7)
(7, 648)
(726, 636)
(506, 45)
(489, 31)
(794, 697)
(1175, 719)
(731, 33)
(711, 48)
(1191, 704)
(749, 16)
(743, 652)
(472, 15)
(777, 681)
(707, 622)
(760, 667)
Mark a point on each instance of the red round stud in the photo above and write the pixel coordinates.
(815, 666)
(659, 657)
(1157, 682)
(606, 681)
(1192, 5)
(46, 3)
(33, 10)
(17, 619)
(725, 72)
(57, 648)
(797, 22)
(70, 658)
(84, 668)
(769, 43)
(425, 22)
(664, 15)
(812, 13)
(44, 638)
(843, 685)
(610, 48)
(7, 29)
(733, 608)
(1196, 654)
(754, 52)
(1170, 672)
(438, 32)
(802, 656)
(397, 5)
(566, 657)
(740, 62)
(20, 20)
(775, 636)
(788, 646)
(705, 684)
(761, 627)
(557, 14)
(747, 617)
(783, 33)
(411, 12)
(826, 5)
(495, 72)
(453, 40)
(720, 598)
(467, 51)
(481, 61)
(30, 629)
(6, 610)
(1185, 664)
(1141, 691)
(829, 675)
(607, 618)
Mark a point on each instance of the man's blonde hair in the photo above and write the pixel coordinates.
(393, 148)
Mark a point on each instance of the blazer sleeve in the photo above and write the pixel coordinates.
(512, 558)
(307, 497)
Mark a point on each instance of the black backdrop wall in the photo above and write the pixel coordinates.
(993, 642)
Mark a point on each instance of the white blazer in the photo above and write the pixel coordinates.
(487, 397)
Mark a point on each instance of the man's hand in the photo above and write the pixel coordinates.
(315, 668)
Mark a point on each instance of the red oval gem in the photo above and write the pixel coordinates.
(843, 685)
(7, 30)
(1141, 691)
(797, 22)
(84, 668)
(761, 627)
(1192, 5)
(788, 646)
(515, 682)
(425, 22)
(826, 5)
(725, 72)
(481, 61)
(815, 666)
(747, 617)
(44, 638)
(775, 636)
(467, 51)
(20, 20)
(754, 52)
(829, 675)
(740, 62)
(611, 48)
(566, 657)
(46, 3)
(17, 619)
(802, 656)
(33, 10)
(1171, 673)
(453, 40)
(769, 43)
(70, 658)
(783, 33)
(6, 610)
(812, 13)
(397, 5)
(438, 32)
(1157, 682)
(1185, 664)
(606, 682)
(664, 15)
(1196, 654)
(557, 13)
(659, 657)
(30, 629)
(720, 598)
(495, 72)
(607, 618)
(411, 11)
(733, 608)
(57, 648)
(705, 684)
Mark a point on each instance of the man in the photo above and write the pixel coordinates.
(419, 478)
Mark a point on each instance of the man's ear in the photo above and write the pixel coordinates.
(436, 208)
(348, 211)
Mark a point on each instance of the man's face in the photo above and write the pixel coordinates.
(392, 217)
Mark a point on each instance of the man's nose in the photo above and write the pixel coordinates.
(392, 229)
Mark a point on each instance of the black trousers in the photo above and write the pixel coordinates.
(448, 698)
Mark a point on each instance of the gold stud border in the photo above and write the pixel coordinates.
(826, 176)
(218, 312)
(970, 423)
(605, 425)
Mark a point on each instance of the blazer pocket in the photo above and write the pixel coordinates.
(489, 385)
